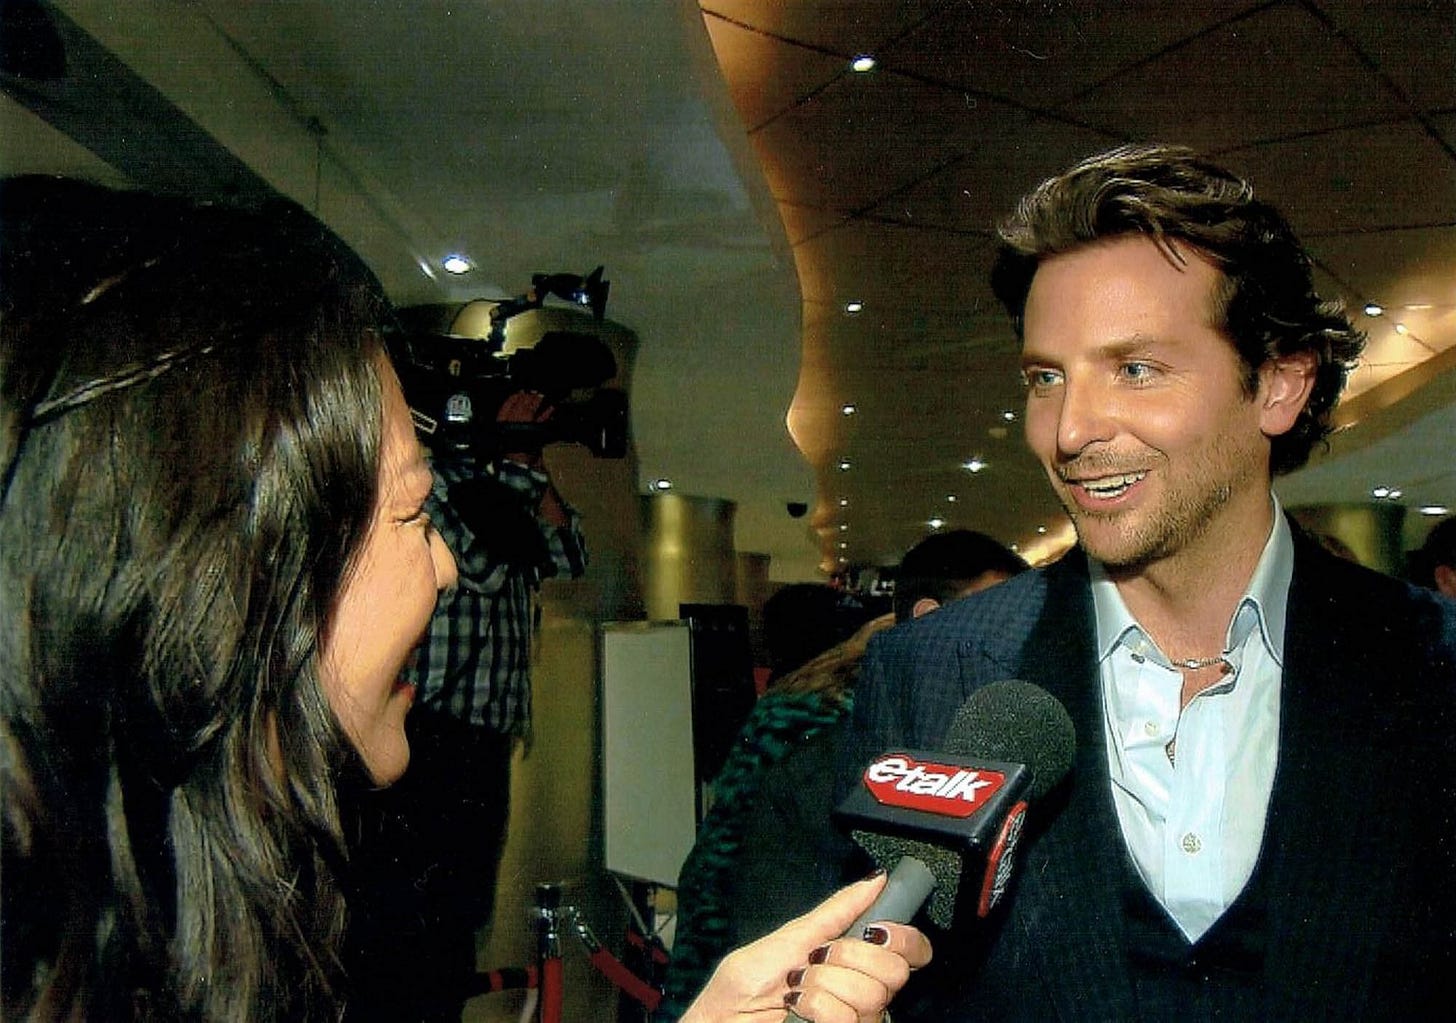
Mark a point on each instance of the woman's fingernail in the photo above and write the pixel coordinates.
(796, 977)
(876, 935)
(792, 998)
(819, 955)
(878, 873)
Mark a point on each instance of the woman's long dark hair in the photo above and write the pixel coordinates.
(189, 446)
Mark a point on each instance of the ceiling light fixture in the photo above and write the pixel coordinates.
(1009, 415)
(1374, 309)
(853, 307)
(456, 264)
(662, 484)
(844, 527)
(1402, 329)
(844, 465)
(973, 464)
(863, 62)
(1434, 509)
(844, 502)
(1385, 493)
(936, 522)
(951, 498)
(848, 409)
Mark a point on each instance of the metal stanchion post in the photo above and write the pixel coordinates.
(548, 952)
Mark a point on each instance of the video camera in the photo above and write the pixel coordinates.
(455, 385)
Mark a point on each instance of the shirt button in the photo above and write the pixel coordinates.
(1150, 728)
(1192, 843)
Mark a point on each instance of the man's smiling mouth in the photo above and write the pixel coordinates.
(1108, 487)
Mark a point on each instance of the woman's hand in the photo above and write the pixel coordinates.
(807, 966)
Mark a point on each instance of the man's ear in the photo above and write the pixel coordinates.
(1285, 383)
(1446, 580)
(924, 606)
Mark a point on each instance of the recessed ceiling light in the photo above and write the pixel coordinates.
(1402, 329)
(951, 498)
(843, 560)
(1374, 309)
(853, 307)
(844, 545)
(457, 264)
(662, 484)
(1380, 492)
(848, 410)
(844, 465)
(1016, 548)
(862, 62)
(844, 527)
(973, 464)
(1434, 509)
(1041, 530)
(936, 522)
(844, 502)
(1009, 415)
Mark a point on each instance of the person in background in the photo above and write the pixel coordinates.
(1434, 564)
(802, 620)
(214, 563)
(1242, 697)
(774, 790)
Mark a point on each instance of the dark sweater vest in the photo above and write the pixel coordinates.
(1218, 977)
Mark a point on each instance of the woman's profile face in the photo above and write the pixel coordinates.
(386, 601)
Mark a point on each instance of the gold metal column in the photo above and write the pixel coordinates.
(688, 555)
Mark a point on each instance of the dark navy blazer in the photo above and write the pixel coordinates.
(1361, 835)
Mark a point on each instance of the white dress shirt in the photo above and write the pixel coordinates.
(1192, 811)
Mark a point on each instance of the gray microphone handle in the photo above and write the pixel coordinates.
(905, 892)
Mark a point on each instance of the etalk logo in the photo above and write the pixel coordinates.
(898, 780)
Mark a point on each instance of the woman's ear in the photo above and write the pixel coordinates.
(1285, 383)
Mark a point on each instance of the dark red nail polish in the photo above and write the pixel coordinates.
(876, 935)
(796, 977)
(819, 954)
(792, 998)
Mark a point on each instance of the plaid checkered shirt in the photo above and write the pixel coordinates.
(475, 661)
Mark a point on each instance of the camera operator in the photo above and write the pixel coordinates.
(428, 849)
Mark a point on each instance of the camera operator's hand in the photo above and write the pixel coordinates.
(532, 407)
(525, 407)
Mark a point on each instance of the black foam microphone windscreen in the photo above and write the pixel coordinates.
(959, 810)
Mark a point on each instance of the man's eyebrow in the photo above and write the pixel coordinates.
(1122, 348)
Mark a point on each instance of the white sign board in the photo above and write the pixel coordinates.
(647, 749)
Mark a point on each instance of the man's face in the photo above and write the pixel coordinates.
(1136, 406)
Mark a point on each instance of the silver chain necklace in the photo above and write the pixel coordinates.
(1194, 663)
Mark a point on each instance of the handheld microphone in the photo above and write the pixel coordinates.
(937, 820)
(959, 812)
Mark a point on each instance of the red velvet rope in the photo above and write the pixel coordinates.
(611, 968)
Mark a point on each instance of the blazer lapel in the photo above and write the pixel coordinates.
(1067, 909)
(1327, 842)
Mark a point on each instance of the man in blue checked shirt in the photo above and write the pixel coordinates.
(429, 847)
